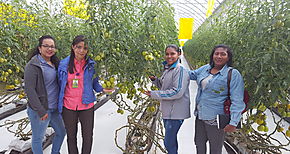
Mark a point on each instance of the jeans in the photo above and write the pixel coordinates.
(39, 128)
(171, 130)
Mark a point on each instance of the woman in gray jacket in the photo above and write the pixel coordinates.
(173, 95)
(42, 91)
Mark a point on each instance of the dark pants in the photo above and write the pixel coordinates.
(71, 118)
(205, 132)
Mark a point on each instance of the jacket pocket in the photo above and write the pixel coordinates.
(219, 87)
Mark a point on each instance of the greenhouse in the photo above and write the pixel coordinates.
(117, 68)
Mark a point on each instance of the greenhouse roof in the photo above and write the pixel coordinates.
(196, 9)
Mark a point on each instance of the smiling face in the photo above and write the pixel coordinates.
(171, 55)
(220, 57)
(80, 50)
(47, 49)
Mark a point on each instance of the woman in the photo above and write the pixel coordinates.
(42, 91)
(77, 96)
(174, 96)
(212, 92)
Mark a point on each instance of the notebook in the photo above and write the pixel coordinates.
(224, 119)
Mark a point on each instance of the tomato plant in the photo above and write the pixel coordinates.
(126, 39)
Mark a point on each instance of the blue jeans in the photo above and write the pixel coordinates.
(39, 127)
(171, 130)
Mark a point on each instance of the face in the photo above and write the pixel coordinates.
(171, 55)
(47, 48)
(220, 57)
(80, 50)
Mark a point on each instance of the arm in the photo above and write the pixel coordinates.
(96, 85)
(193, 74)
(237, 97)
(59, 79)
(180, 84)
(30, 79)
(157, 82)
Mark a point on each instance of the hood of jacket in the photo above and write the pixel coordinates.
(35, 61)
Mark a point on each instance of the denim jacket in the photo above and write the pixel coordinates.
(210, 100)
(90, 84)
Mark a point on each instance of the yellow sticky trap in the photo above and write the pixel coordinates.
(185, 28)
(210, 6)
(181, 43)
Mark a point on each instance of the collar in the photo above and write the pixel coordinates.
(171, 66)
(82, 62)
(41, 60)
(223, 71)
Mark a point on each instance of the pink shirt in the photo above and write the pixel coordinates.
(72, 95)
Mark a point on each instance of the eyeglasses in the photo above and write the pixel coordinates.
(81, 47)
(47, 47)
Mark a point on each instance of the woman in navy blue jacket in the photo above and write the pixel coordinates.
(77, 97)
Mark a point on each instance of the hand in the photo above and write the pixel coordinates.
(230, 128)
(148, 93)
(44, 117)
(106, 90)
(152, 77)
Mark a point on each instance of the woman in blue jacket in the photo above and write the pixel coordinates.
(212, 92)
(77, 97)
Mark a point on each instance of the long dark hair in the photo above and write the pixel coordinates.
(77, 39)
(229, 52)
(35, 51)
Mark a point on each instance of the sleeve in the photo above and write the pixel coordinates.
(157, 83)
(59, 78)
(180, 84)
(237, 97)
(194, 73)
(96, 85)
(30, 79)
(61, 74)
